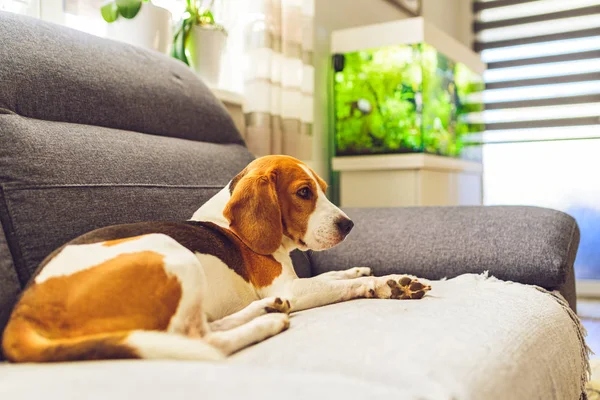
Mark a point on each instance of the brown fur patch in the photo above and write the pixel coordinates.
(90, 307)
(286, 176)
(22, 343)
(254, 213)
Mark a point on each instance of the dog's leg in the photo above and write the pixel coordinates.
(255, 331)
(254, 310)
(315, 292)
(351, 273)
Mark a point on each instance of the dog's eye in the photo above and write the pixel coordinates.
(304, 193)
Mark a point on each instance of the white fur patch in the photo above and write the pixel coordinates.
(212, 210)
(322, 231)
(161, 345)
(280, 286)
(227, 292)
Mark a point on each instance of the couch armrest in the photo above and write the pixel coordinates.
(522, 244)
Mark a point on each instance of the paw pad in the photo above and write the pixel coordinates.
(278, 305)
(407, 288)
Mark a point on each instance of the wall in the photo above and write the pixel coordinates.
(452, 16)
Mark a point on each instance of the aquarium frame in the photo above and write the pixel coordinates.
(401, 32)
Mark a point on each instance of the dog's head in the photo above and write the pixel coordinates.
(278, 197)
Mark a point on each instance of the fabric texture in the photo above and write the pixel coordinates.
(523, 244)
(462, 341)
(279, 85)
(178, 380)
(301, 263)
(54, 73)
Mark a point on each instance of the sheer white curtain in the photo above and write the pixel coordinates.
(279, 76)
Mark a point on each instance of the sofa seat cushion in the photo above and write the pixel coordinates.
(473, 337)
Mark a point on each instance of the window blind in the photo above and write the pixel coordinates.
(543, 77)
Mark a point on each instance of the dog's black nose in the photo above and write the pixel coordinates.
(345, 225)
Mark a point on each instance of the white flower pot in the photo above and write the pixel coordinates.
(151, 28)
(205, 47)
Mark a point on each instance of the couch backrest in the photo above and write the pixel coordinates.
(94, 132)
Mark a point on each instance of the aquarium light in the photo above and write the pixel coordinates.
(534, 113)
(535, 92)
(541, 49)
(542, 70)
(539, 28)
(532, 8)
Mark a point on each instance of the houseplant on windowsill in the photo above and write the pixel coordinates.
(199, 41)
(138, 22)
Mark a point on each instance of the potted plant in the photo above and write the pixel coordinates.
(138, 22)
(199, 41)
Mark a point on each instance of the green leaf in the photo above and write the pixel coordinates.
(110, 12)
(129, 8)
(180, 39)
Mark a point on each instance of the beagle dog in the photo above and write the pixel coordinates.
(200, 289)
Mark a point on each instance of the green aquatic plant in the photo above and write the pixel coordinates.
(404, 98)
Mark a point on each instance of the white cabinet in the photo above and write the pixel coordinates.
(406, 180)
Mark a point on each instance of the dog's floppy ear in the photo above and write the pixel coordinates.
(253, 212)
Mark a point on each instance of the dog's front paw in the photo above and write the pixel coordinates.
(277, 322)
(277, 305)
(399, 287)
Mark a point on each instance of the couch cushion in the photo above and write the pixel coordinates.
(530, 245)
(55, 73)
(470, 338)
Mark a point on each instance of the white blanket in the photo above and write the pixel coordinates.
(472, 338)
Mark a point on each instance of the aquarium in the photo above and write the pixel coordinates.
(403, 98)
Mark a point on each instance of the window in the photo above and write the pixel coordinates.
(25, 7)
(542, 97)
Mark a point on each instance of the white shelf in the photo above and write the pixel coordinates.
(228, 97)
(404, 162)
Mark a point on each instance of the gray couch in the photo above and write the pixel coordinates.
(93, 133)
